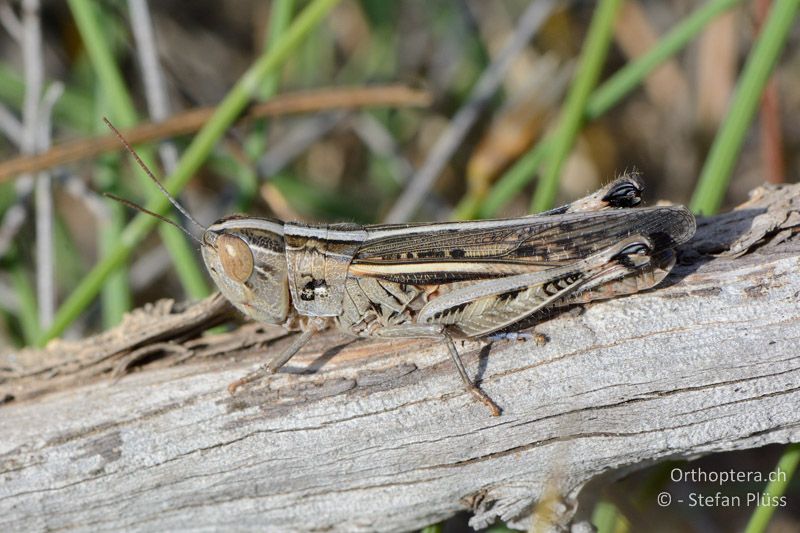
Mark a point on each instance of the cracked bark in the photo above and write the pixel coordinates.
(380, 435)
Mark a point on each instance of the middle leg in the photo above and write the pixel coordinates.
(439, 332)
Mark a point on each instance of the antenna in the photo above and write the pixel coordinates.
(132, 205)
(147, 171)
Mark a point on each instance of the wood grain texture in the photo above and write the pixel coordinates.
(380, 435)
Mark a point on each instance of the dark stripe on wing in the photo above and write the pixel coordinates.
(533, 240)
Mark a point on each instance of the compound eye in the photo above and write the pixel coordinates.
(235, 256)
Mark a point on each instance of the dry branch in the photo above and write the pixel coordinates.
(380, 435)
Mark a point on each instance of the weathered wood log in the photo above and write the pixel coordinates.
(380, 435)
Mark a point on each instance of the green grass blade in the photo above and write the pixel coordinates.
(608, 95)
(114, 91)
(631, 76)
(116, 294)
(122, 111)
(509, 185)
(28, 312)
(517, 175)
(787, 466)
(226, 113)
(468, 208)
(724, 153)
(279, 18)
(69, 259)
(115, 297)
(256, 142)
(607, 518)
(593, 55)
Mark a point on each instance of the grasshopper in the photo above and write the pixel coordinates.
(437, 280)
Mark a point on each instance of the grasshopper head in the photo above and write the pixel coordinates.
(245, 257)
